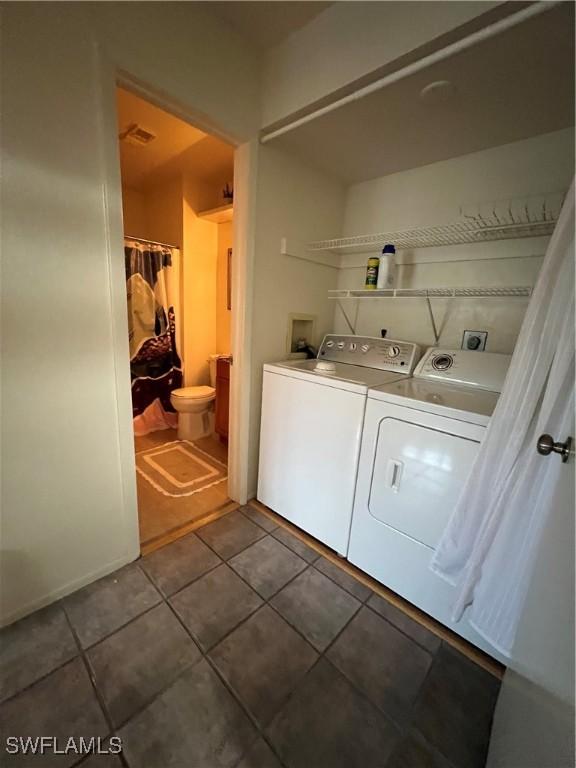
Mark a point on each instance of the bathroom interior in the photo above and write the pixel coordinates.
(177, 201)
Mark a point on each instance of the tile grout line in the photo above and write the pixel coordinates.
(228, 633)
(410, 725)
(366, 601)
(324, 655)
(401, 729)
(295, 628)
(179, 532)
(265, 602)
(168, 685)
(403, 632)
(205, 656)
(47, 674)
(260, 729)
(419, 697)
(99, 698)
(444, 634)
(185, 586)
(267, 534)
(163, 597)
(321, 654)
(81, 652)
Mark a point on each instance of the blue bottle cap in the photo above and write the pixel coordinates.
(389, 248)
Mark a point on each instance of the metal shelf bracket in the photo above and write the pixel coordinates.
(432, 321)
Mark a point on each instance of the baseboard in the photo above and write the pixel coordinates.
(67, 589)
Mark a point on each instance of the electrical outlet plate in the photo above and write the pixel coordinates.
(474, 341)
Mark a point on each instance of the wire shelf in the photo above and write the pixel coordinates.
(434, 293)
(450, 234)
(503, 220)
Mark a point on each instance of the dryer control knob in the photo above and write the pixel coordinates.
(442, 362)
(365, 347)
(393, 351)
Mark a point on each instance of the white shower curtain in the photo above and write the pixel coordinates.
(489, 545)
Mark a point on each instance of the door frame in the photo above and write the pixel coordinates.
(245, 170)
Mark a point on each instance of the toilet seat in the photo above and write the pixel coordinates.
(195, 393)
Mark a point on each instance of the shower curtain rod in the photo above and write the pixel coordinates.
(152, 242)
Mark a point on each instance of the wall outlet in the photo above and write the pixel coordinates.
(474, 340)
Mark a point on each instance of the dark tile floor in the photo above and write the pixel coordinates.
(240, 646)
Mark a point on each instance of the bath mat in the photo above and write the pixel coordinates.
(180, 468)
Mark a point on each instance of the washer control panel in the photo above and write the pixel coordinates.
(370, 352)
(483, 370)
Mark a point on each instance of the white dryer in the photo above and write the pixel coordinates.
(419, 441)
(312, 416)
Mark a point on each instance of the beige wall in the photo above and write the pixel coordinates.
(350, 40)
(134, 212)
(209, 69)
(223, 314)
(433, 195)
(69, 510)
(199, 287)
(534, 720)
(164, 215)
(155, 213)
(293, 201)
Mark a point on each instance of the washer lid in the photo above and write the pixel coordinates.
(194, 393)
(458, 402)
(354, 378)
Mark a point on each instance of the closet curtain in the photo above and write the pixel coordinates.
(153, 289)
(489, 546)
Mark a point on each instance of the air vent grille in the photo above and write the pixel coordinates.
(136, 134)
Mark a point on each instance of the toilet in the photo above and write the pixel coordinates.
(194, 407)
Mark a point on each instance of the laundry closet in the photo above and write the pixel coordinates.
(466, 176)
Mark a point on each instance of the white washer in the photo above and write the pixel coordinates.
(419, 441)
(312, 416)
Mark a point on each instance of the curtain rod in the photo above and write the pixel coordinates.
(152, 242)
(460, 45)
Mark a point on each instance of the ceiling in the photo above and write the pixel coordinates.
(178, 146)
(266, 24)
(517, 84)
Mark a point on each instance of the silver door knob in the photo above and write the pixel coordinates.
(546, 445)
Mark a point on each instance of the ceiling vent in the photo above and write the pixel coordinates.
(137, 135)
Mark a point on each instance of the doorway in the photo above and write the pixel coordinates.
(177, 201)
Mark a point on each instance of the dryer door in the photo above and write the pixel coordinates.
(418, 472)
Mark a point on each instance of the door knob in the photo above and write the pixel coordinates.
(546, 445)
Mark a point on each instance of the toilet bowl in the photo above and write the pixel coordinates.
(194, 408)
